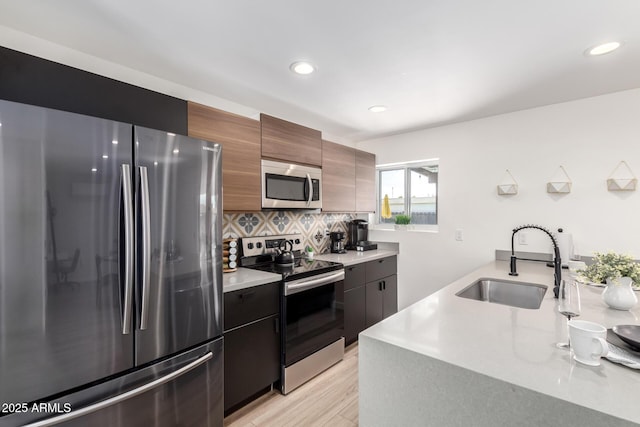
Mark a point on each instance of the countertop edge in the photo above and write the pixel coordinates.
(356, 257)
(247, 278)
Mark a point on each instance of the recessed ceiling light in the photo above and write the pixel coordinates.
(603, 48)
(377, 108)
(302, 67)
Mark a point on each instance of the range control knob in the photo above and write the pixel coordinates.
(297, 241)
(259, 245)
(249, 245)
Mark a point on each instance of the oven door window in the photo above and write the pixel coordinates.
(314, 320)
(284, 187)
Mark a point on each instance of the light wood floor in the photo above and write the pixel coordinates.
(330, 399)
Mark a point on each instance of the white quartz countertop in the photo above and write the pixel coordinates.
(517, 345)
(357, 257)
(247, 278)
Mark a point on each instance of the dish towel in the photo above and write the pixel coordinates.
(623, 357)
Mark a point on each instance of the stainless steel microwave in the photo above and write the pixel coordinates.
(290, 186)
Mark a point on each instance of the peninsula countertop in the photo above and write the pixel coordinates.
(512, 345)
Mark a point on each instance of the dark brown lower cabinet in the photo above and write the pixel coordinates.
(251, 360)
(381, 299)
(251, 343)
(390, 296)
(370, 295)
(354, 313)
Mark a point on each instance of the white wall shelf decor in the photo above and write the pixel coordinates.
(508, 185)
(560, 182)
(622, 178)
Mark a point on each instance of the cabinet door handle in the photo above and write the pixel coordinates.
(380, 285)
(245, 295)
(276, 325)
(380, 261)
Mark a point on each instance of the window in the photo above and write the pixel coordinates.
(411, 189)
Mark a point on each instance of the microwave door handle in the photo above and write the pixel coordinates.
(310, 185)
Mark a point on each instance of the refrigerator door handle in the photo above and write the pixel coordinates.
(128, 249)
(145, 212)
(124, 396)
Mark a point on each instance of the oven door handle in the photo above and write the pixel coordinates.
(301, 285)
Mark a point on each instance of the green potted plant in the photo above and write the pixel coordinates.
(309, 251)
(402, 221)
(620, 273)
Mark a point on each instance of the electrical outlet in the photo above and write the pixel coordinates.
(459, 235)
(522, 238)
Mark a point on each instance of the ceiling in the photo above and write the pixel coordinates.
(432, 62)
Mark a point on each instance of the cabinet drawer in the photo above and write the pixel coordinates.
(354, 276)
(247, 305)
(380, 268)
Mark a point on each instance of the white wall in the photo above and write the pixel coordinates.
(588, 137)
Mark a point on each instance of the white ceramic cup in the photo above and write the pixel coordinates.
(588, 341)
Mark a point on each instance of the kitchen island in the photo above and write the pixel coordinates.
(452, 361)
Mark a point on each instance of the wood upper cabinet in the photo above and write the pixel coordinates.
(338, 178)
(365, 181)
(290, 142)
(240, 139)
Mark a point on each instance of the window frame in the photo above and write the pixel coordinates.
(406, 167)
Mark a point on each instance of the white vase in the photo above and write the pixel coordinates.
(619, 295)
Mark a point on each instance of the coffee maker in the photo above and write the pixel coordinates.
(337, 242)
(359, 236)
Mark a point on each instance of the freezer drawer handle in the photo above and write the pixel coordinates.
(145, 211)
(128, 251)
(124, 396)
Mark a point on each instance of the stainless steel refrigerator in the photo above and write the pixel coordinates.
(110, 273)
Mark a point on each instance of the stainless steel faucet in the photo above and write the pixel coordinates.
(557, 262)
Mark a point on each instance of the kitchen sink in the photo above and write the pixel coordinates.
(506, 292)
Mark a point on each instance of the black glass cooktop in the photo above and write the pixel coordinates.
(300, 269)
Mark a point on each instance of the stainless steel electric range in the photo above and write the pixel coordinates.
(311, 304)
